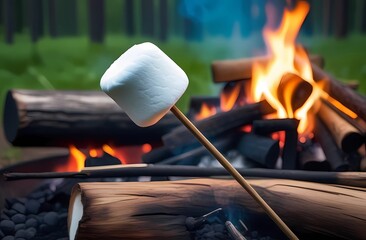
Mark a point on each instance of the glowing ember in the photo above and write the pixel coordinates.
(205, 112)
(146, 148)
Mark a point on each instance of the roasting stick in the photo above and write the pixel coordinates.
(146, 84)
(233, 172)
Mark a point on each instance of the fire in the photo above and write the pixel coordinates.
(127, 155)
(283, 51)
(76, 159)
(205, 112)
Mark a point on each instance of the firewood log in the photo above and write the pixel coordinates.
(80, 118)
(157, 210)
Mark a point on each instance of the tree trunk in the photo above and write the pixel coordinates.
(163, 20)
(129, 17)
(35, 11)
(147, 18)
(9, 20)
(80, 118)
(157, 210)
(96, 20)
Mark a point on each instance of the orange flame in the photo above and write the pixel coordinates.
(267, 77)
(76, 159)
(205, 112)
(117, 154)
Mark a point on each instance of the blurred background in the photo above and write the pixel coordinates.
(68, 44)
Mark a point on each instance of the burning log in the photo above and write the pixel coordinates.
(332, 152)
(241, 69)
(218, 124)
(347, 96)
(80, 118)
(347, 137)
(192, 157)
(299, 88)
(263, 150)
(122, 210)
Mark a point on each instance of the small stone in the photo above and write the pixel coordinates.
(32, 206)
(19, 226)
(51, 218)
(18, 218)
(31, 223)
(19, 207)
(7, 227)
(8, 238)
(2, 234)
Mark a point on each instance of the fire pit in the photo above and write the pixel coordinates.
(280, 119)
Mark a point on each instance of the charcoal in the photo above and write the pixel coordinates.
(31, 223)
(31, 232)
(8, 238)
(36, 194)
(254, 234)
(18, 218)
(219, 227)
(32, 206)
(2, 234)
(10, 212)
(7, 227)
(19, 226)
(4, 217)
(36, 217)
(44, 228)
(51, 218)
(19, 207)
(22, 233)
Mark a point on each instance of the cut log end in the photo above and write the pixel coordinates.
(11, 118)
(75, 214)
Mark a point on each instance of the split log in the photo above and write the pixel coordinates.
(80, 118)
(241, 69)
(332, 152)
(218, 124)
(157, 210)
(347, 137)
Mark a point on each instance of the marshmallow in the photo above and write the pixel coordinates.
(145, 83)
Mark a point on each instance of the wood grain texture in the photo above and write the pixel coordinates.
(81, 118)
(157, 210)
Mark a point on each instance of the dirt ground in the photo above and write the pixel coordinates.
(11, 155)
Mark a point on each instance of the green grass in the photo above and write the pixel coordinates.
(344, 58)
(74, 63)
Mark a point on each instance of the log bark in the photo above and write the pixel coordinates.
(157, 210)
(80, 118)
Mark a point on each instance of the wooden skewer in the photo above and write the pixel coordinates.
(239, 178)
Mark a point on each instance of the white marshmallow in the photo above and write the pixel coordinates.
(145, 83)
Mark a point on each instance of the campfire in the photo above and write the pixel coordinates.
(280, 118)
